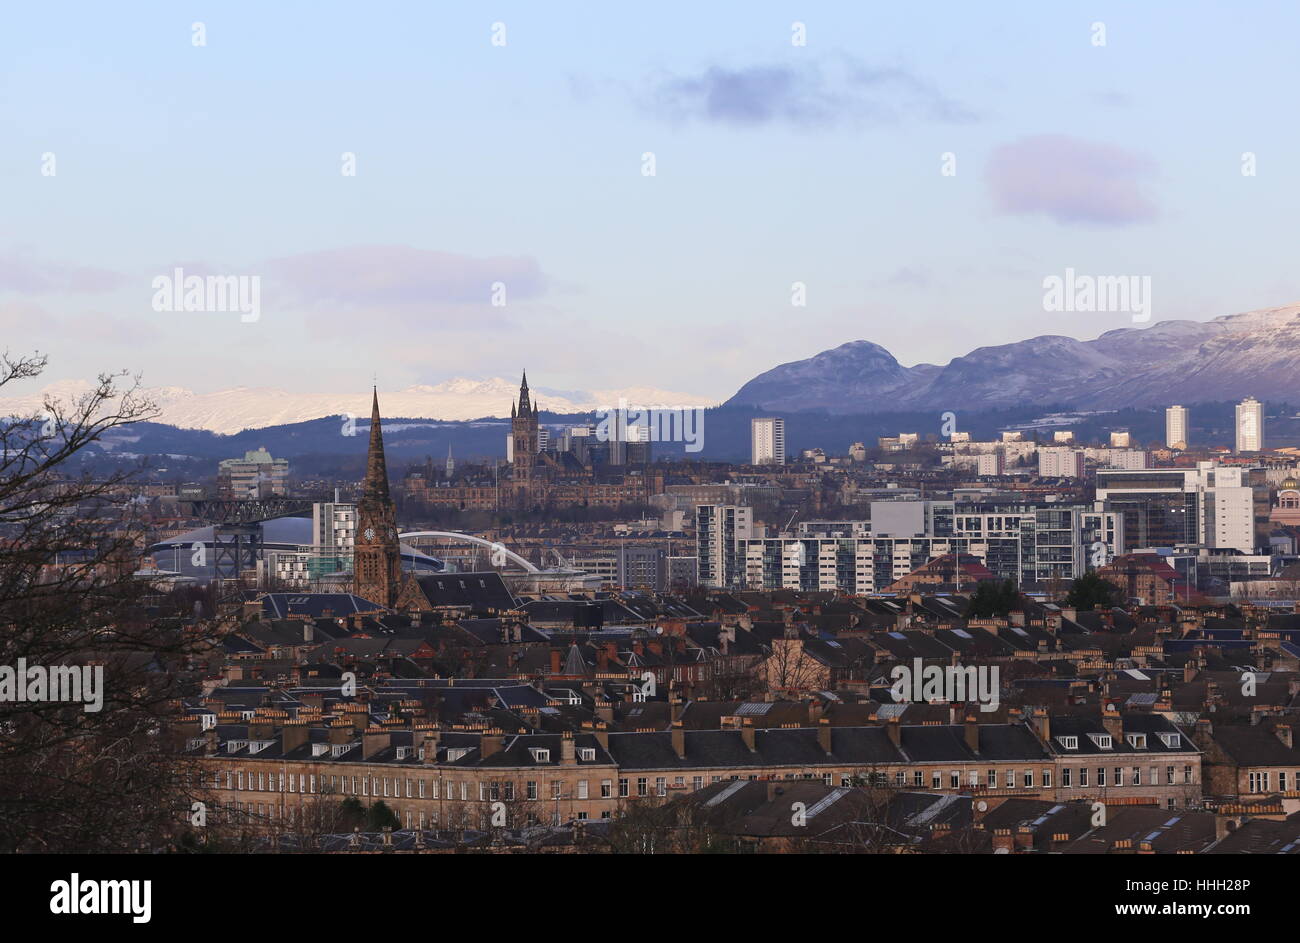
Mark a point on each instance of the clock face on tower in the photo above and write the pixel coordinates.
(370, 533)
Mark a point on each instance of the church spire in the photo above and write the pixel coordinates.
(376, 485)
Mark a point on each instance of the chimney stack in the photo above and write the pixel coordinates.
(490, 742)
(972, 726)
(1283, 732)
(568, 753)
(824, 735)
(747, 734)
(1113, 722)
(895, 730)
(293, 735)
(679, 739)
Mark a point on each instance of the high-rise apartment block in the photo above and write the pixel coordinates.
(1176, 427)
(768, 441)
(1250, 425)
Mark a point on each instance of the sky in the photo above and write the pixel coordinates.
(918, 170)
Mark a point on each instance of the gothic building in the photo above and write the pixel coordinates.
(376, 559)
(523, 429)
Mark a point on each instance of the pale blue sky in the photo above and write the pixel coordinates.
(775, 164)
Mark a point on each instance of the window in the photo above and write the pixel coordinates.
(918, 779)
(1083, 776)
(582, 789)
(532, 789)
(992, 779)
(1029, 777)
(540, 754)
(623, 791)
(607, 788)
(587, 754)
(1187, 774)
(954, 779)
(1169, 775)
(1101, 775)
(1065, 778)
(1137, 776)
(1011, 779)
(1069, 743)
(661, 786)
(642, 786)
(1137, 741)
(1101, 740)
(936, 780)
(697, 782)
(1047, 778)
(1172, 740)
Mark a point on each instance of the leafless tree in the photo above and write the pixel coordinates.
(70, 778)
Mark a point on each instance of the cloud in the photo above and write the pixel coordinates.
(22, 274)
(1070, 180)
(401, 275)
(809, 95)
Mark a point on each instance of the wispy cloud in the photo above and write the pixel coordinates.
(400, 275)
(22, 274)
(1071, 181)
(832, 92)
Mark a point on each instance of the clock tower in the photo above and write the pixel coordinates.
(376, 559)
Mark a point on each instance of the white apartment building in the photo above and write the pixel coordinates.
(768, 441)
(1176, 427)
(1250, 425)
(1060, 463)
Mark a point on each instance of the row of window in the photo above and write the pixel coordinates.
(642, 786)
(1259, 782)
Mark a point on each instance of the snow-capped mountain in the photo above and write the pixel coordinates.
(229, 411)
(1252, 354)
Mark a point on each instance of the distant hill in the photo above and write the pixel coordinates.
(1228, 358)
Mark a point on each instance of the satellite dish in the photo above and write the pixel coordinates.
(982, 806)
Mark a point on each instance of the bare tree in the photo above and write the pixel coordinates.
(73, 777)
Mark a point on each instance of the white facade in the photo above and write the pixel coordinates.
(1176, 427)
(1060, 463)
(1250, 425)
(768, 438)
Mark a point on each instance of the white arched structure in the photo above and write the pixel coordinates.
(470, 538)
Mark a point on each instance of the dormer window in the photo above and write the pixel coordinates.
(1137, 741)
(1172, 740)
(1102, 741)
(587, 754)
(455, 753)
(1068, 743)
(403, 752)
(540, 754)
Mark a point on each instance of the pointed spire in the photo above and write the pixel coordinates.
(525, 407)
(376, 486)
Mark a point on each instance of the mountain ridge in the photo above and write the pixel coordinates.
(1253, 353)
